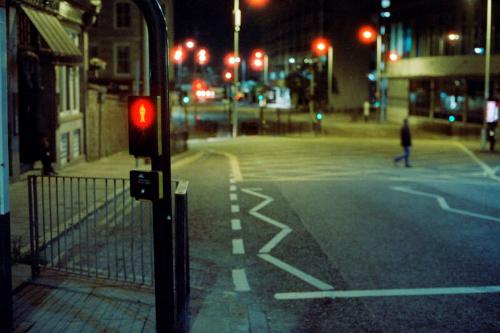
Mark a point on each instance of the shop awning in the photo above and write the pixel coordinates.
(53, 34)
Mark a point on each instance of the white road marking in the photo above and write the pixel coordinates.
(296, 272)
(238, 247)
(240, 280)
(232, 188)
(235, 208)
(235, 224)
(488, 171)
(232, 181)
(235, 167)
(387, 293)
(285, 231)
(444, 205)
(185, 161)
(233, 196)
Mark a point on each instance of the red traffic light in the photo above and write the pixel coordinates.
(142, 113)
(320, 46)
(257, 3)
(178, 55)
(367, 34)
(202, 56)
(231, 61)
(143, 128)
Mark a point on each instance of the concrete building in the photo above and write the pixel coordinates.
(47, 79)
(439, 74)
(289, 27)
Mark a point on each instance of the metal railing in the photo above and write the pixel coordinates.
(92, 227)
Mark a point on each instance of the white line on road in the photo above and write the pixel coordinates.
(240, 280)
(235, 208)
(488, 171)
(232, 188)
(233, 196)
(296, 272)
(238, 247)
(235, 167)
(444, 205)
(387, 293)
(235, 224)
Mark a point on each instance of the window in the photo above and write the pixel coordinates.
(64, 145)
(122, 59)
(68, 88)
(76, 143)
(122, 15)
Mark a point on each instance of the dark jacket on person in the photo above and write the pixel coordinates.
(405, 136)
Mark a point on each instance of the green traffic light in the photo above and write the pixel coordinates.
(319, 116)
(451, 119)
(185, 99)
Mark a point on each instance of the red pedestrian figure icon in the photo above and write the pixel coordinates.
(142, 112)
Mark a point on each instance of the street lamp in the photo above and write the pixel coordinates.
(237, 28)
(320, 47)
(487, 69)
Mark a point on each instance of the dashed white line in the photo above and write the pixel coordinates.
(238, 246)
(235, 208)
(240, 280)
(444, 205)
(235, 167)
(233, 196)
(235, 224)
(232, 188)
(387, 293)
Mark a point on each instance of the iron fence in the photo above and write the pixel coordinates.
(92, 227)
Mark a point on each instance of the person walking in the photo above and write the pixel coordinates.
(46, 157)
(406, 144)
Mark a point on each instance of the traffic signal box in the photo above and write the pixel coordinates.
(144, 130)
(144, 126)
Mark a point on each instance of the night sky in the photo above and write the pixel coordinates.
(210, 22)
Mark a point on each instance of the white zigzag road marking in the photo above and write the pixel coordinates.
(444, 205)
(285, 231)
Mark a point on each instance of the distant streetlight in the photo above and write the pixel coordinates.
(393, 56)
(190, 44)
(291, 61)
(202, 56)
(367, 34)
(320, 46)
(453, 37)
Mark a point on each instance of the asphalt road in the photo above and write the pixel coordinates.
(312, 234)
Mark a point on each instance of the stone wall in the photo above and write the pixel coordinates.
(107, 127)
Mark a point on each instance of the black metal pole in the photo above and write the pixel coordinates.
(162, 209)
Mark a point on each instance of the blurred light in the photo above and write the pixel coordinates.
(190, 44)
(372, 77)
(231, 61)
(185, 99)
(367, 34)
(291, 60)
(202, 56)
(451, 119)
(452, 36)
(257, 3)
(386, 3)
(320, 46)
(177, 55)
(385, 14)
(319, 116)
(393, 56)
(199, 84)
(479, 50)
(227, 75)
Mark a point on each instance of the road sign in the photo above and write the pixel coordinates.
(144, 126)
(146, 185)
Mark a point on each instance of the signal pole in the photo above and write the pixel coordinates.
(6, 309)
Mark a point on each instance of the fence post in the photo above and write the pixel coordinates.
(181, 257)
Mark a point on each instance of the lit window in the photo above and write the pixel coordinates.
(122, 15)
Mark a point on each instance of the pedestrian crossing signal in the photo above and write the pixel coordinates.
(319, 116)
(144, 126)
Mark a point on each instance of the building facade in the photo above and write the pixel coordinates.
(117, 39)
(289, 28)
(440, 72)
(47, 80)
